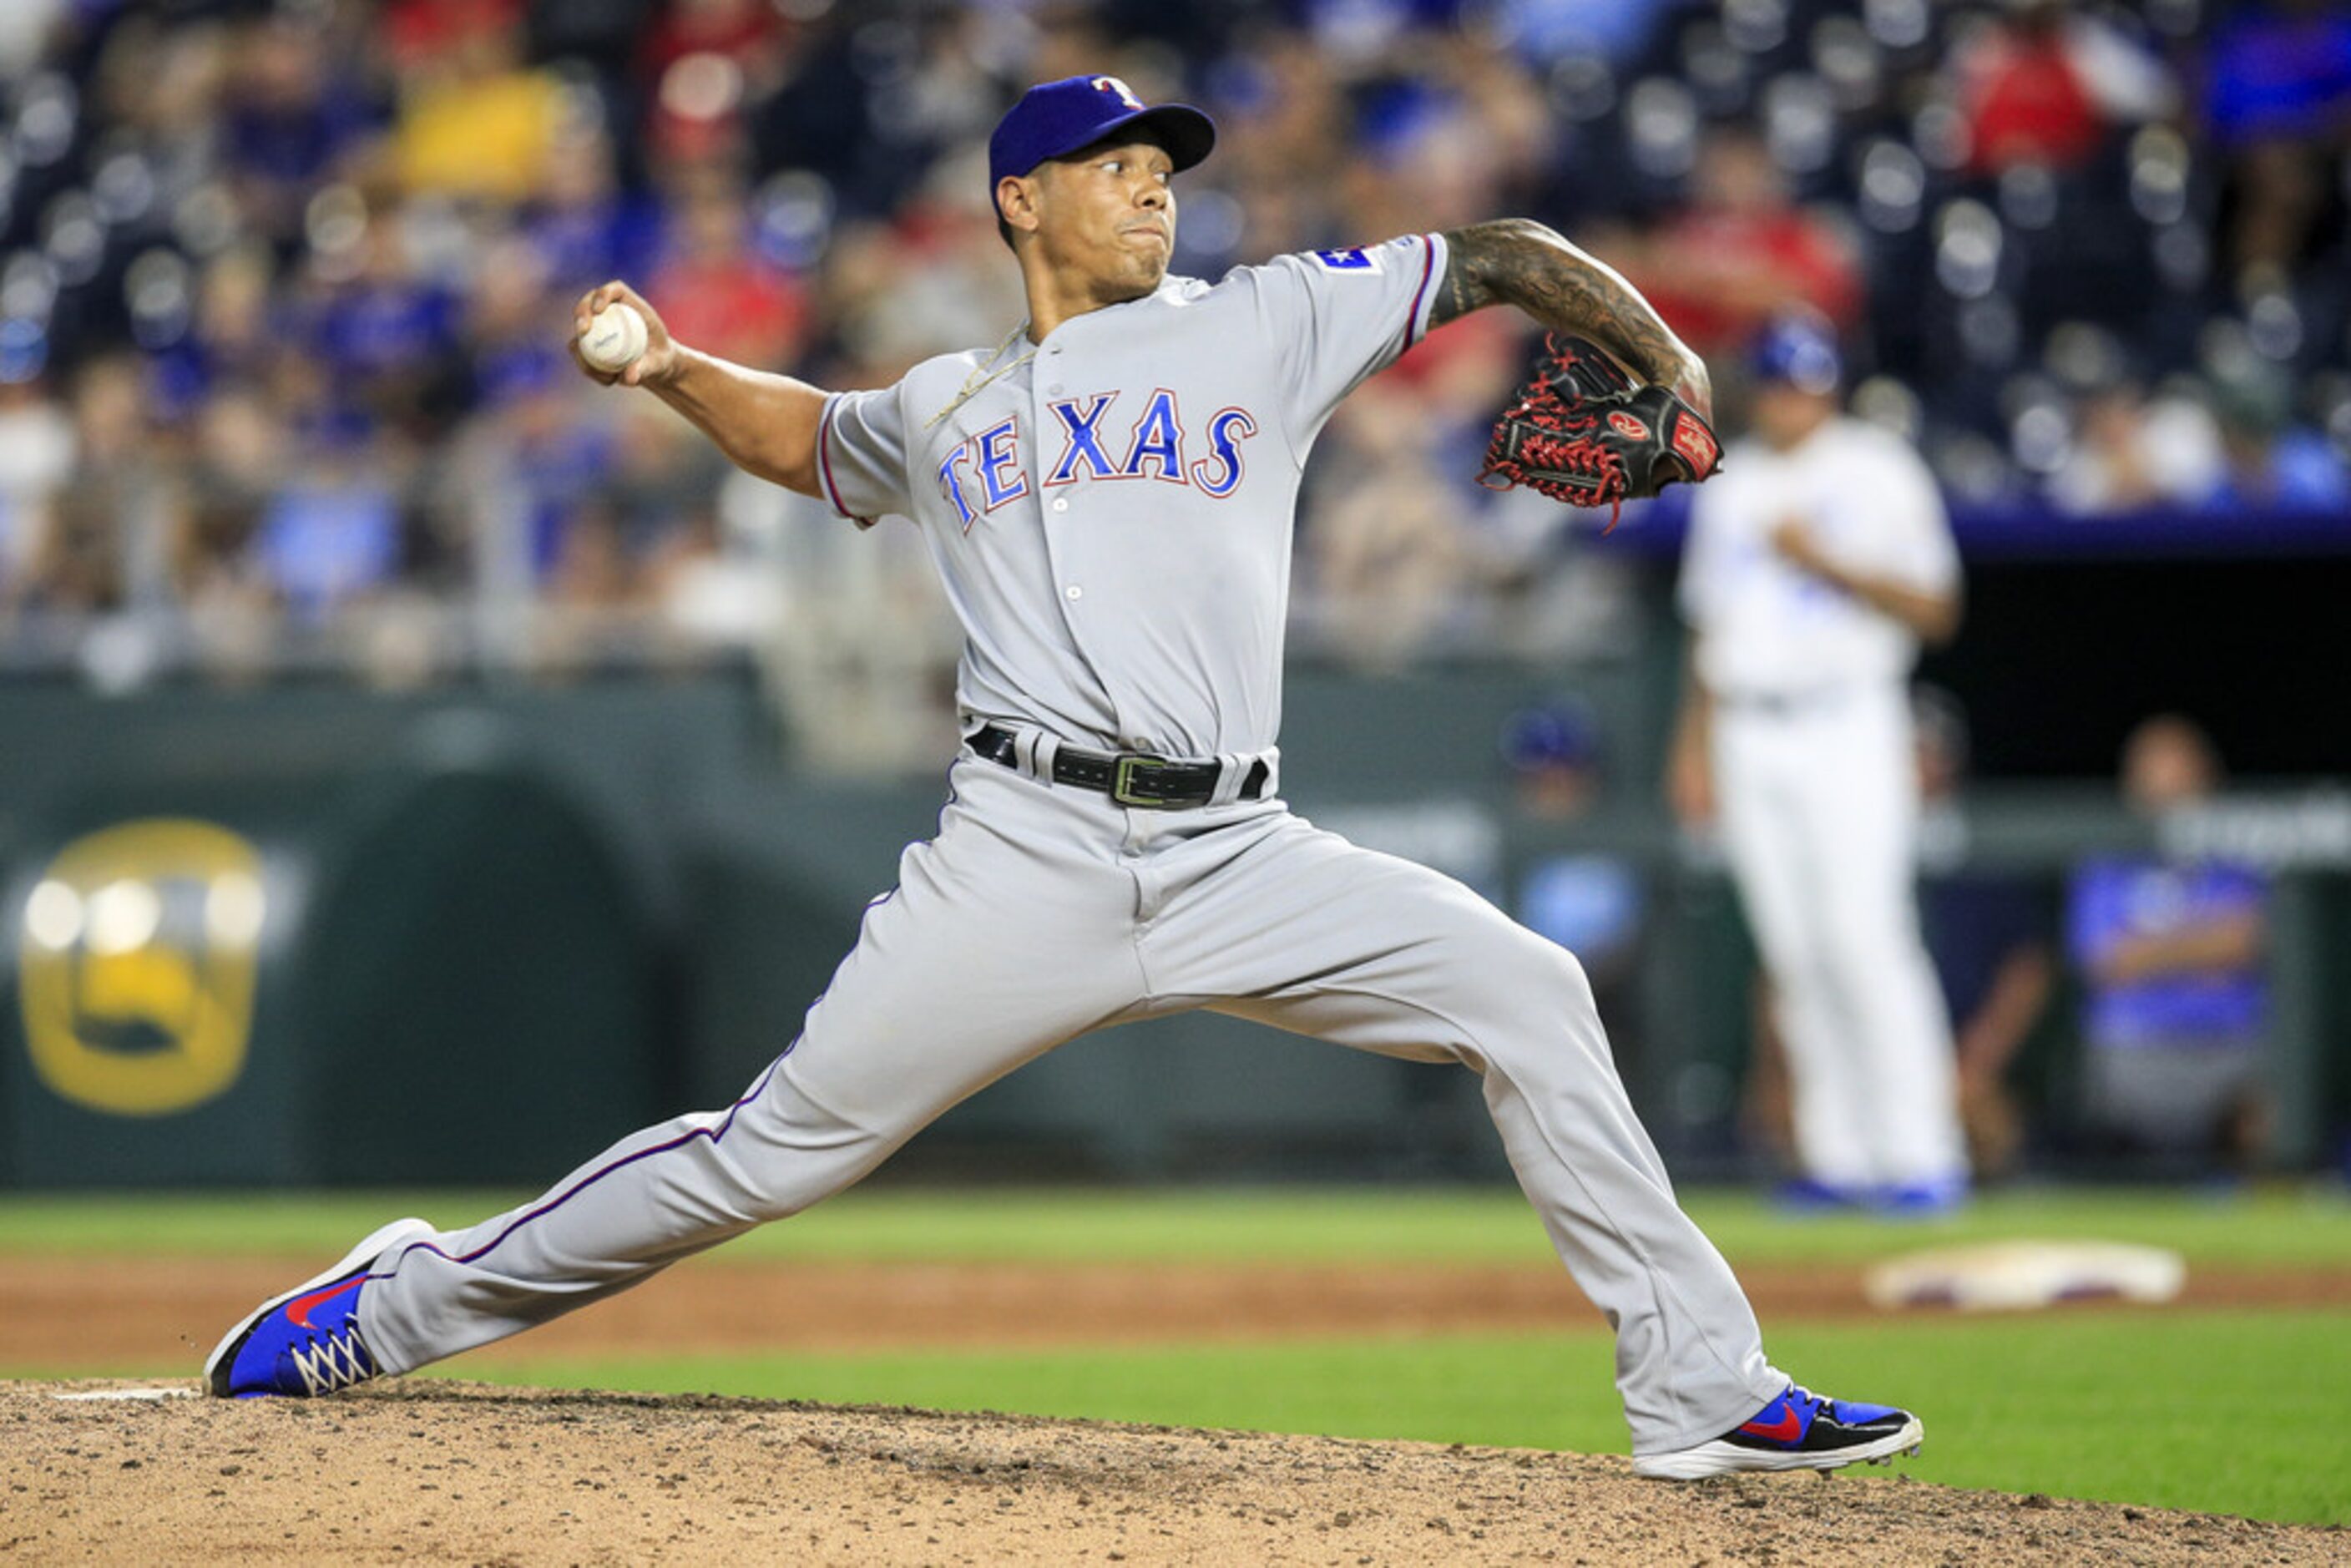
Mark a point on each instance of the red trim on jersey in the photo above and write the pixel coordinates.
(824, 464)
(1412, 332)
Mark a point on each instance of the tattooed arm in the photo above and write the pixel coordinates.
(1519, 262)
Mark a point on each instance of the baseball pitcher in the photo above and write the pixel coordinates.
(1108, 495)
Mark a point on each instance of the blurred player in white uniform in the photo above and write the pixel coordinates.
(1817, 562)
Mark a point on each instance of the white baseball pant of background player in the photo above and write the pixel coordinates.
(1817, 788)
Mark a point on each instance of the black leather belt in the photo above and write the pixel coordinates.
(1130, 778)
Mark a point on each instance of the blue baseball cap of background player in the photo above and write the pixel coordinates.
(1057, 117)
(1797, 348)
(1550, 735)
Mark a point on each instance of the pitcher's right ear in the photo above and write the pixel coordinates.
(1015, 201)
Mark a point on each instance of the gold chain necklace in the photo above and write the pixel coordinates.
(979, 381)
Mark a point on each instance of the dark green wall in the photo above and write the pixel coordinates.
(468, 969)
(506, 928)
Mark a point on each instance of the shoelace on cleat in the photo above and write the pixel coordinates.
(333, 1361)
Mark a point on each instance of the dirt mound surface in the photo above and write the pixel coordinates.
(433, 1472)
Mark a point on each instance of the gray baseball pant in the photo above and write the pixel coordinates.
(1040, 912)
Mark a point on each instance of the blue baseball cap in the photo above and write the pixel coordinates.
(1798, 347)
(1056, 118)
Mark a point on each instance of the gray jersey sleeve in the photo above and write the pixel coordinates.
(1340, 316)
(861, 455)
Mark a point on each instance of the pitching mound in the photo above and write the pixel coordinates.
(432, 1472)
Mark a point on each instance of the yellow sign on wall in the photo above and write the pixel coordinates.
(137, 963)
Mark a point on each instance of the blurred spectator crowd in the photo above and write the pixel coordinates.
(283, 291)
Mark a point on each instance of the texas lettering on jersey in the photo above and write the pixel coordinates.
(1091, 441)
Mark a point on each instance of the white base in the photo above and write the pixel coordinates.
(369, 1250)
(1720, 1459)
(2011, 1276)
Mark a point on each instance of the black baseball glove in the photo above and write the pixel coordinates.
(1583, 432)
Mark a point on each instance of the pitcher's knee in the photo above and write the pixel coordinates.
(1556, 971)
(782, 1151)
(1538, 978)
(1541, 1031)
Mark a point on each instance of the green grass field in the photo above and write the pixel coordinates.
(2230, 1411)
(2285, 1225)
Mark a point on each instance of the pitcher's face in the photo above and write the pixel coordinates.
(1108, 213)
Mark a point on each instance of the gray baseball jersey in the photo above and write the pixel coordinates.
(1112, 518)
(1112, 513)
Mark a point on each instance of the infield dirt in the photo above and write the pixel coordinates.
(443, 1472)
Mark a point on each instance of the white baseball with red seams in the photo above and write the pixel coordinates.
(616, 335)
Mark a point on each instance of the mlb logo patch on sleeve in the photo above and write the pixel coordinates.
(1357, 260)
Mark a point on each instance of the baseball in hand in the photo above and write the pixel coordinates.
(615, 337)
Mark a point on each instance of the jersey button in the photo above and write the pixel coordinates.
(1074, 592)
(1061, 503)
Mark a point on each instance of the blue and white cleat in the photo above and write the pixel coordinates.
(306, 1342)
(1921, 1199)
(1797, 1431)
(1806, 1197)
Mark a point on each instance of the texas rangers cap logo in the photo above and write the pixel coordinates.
(1057, 117)
(1625, 426)
(1125, 94)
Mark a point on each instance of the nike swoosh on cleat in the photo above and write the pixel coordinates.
(298, 1311)
(1786, 1429)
